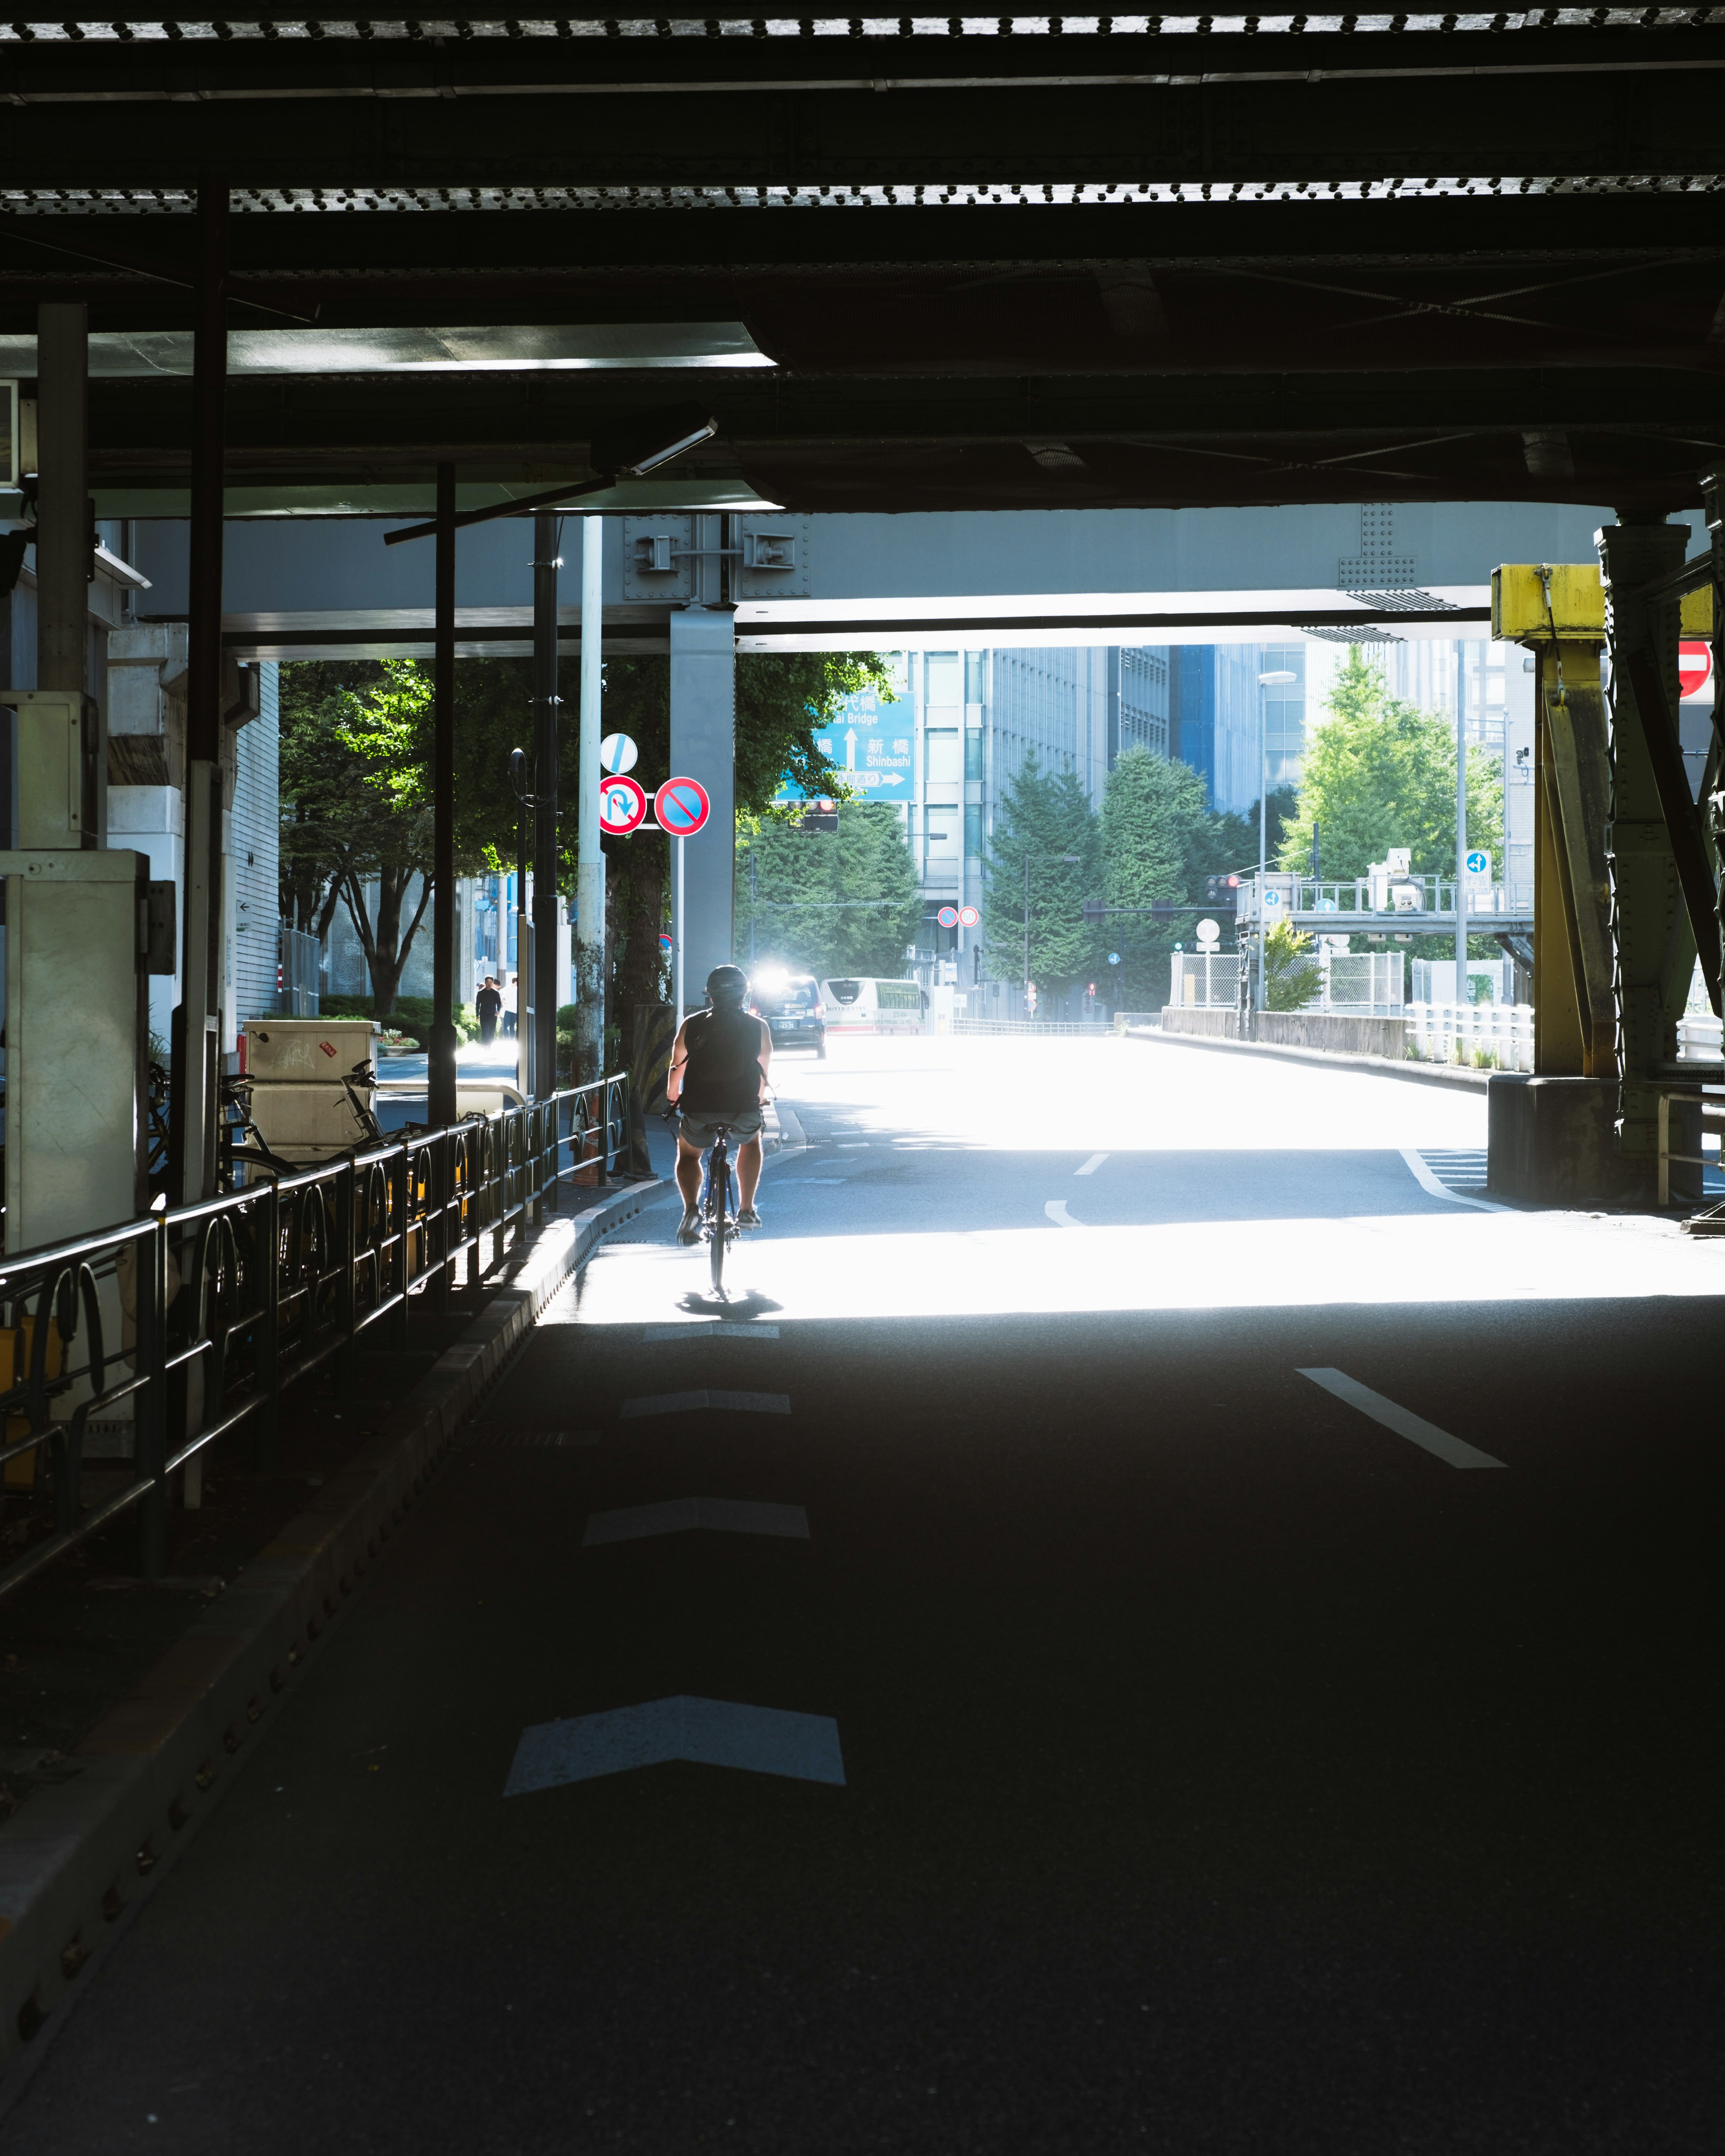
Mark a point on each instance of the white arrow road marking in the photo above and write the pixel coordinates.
(1092, 1165)
(658, 1404)
(1455, 1451)
(710, 1732)
(1056, 1211)
(727, 1516)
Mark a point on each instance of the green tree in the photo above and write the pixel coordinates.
(1043, 816)
(1292, 976)
(1155, 827)
(842, 902)
(1380, 772)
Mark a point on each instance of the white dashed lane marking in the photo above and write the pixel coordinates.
(1092, 1165)
(725, 1516)
(722, 1330)
(1455, 1450)
(1056, 1211)
(658, 1404)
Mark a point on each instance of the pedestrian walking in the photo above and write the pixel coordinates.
(487, 1003)
(510, 995)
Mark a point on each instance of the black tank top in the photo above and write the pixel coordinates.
(723, 1074)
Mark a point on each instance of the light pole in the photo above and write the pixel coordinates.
(1277, 678)
(1066, 860)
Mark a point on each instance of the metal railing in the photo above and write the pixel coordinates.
(1484, 1036)
(300, 957)
(184, 1325)
(1291, 894)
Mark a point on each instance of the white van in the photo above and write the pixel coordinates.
(871, 1006)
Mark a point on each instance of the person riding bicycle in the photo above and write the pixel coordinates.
(718, 1078)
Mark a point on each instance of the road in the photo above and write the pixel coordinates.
(1232, 1759)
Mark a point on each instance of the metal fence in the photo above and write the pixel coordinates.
(300, 957)
(1205, 980)
(185, 1324)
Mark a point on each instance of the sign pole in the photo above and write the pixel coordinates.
(677, 937)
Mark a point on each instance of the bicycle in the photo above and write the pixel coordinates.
(718, 1213)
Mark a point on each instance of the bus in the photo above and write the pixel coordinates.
(871, 1006)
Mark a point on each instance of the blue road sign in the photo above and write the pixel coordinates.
(1479, 864)
(873, 743)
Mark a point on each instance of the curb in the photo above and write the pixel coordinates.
(79, 1856)
(1330, 1059)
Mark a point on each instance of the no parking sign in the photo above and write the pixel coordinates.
(682, 807)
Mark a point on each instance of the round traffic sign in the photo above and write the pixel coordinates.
(947, 916)
(617, 752)
(1209, 932)
(1113, 957)
(1695, 669)
(1272, 899)
(622, 805)
(1479, 864)
(968, 917)
(682, 807)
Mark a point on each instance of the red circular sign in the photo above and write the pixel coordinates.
(1695, 668)
(968, 917)
(622, 804)
(682, 807)
(947, 916)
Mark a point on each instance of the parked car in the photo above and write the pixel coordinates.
(791, 1004)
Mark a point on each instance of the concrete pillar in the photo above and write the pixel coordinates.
(703, 734)
(63, 532)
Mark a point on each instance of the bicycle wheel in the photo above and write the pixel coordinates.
(718, 1215)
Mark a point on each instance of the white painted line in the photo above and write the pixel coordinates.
(1056, 1211)
(722, 1329)
(560, 1438)
(1455, 1451)
(658, 1404)
(708, 1732)
(830, 1182)
(1430, 1184)
(1092, 1165)
(725, 1516)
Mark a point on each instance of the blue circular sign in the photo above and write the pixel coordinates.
(683, 807)
(1478, 863)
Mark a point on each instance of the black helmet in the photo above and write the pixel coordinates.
(727, 984)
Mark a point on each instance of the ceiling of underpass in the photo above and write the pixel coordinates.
(912, 263)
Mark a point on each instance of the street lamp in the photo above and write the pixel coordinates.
(1278, 678)
(1065, 861)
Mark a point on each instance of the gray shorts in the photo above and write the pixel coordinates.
(702, 1130)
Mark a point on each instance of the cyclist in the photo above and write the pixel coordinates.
(718, 1076)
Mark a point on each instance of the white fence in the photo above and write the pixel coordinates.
(1205, 980)
(1485, 1036)
(1362, 983)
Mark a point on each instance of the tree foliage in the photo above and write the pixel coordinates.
(828, 902)
(1042, 816)
(1380, 772)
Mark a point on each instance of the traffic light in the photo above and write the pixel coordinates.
(1221, 889)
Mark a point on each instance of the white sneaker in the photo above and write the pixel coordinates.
(690, 1231)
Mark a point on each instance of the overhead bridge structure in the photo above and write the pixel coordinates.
(840, 331)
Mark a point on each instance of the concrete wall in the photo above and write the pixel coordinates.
(1350, 1036)
(1353, 1036)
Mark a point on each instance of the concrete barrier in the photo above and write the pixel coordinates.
(1335, 1031)
(1207, 1024)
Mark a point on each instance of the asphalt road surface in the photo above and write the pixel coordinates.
(988, 1696)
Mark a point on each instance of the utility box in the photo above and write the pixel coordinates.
(77, 946)
(59, 733)
(298, 1051)
(312, 1086)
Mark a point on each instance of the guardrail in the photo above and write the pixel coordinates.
(188, 1323)
(1488, 1036)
